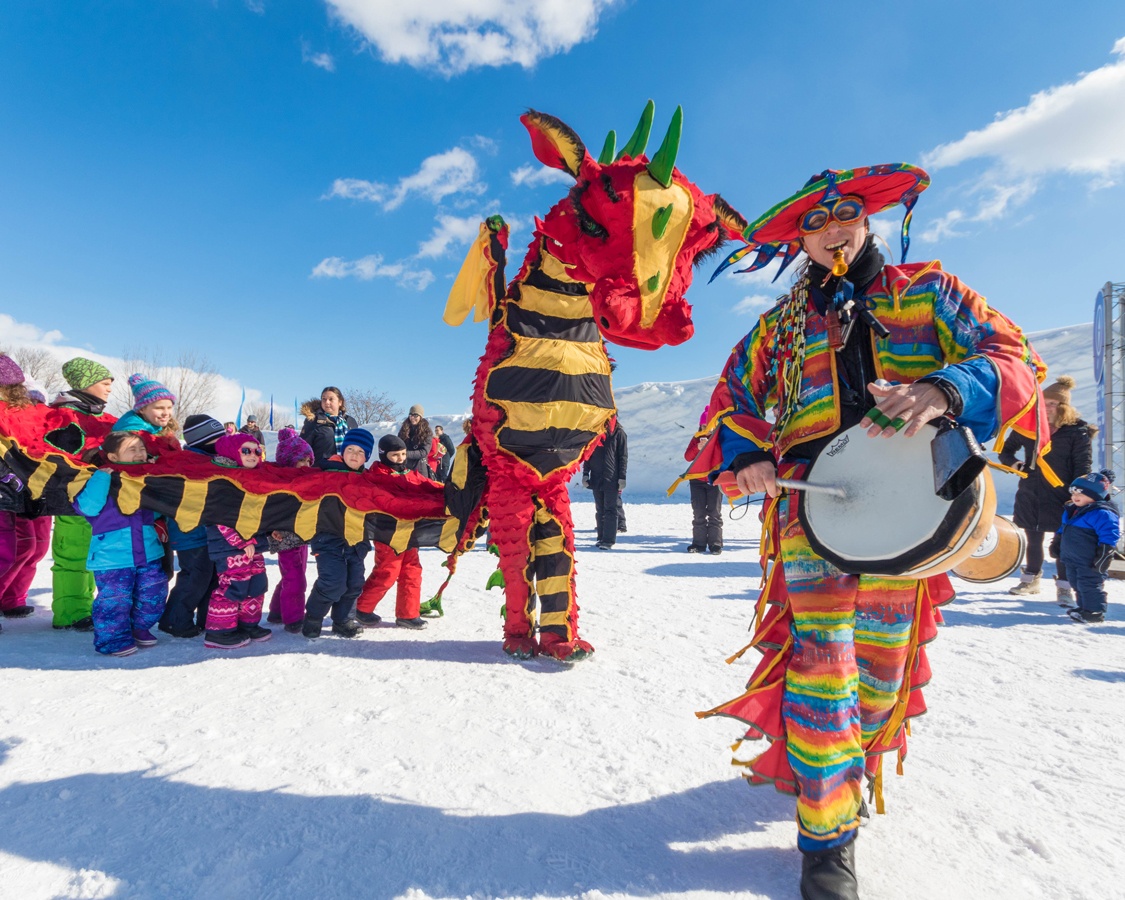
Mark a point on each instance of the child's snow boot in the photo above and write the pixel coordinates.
(228, 639)
(1064, 593)
(1029, 585)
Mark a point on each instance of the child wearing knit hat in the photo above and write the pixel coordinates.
(152, 408)
(23, 541)
(235, 610)
(391, 567)
(72, 584)
(339, 565)
(287, 605)
(1086, 542)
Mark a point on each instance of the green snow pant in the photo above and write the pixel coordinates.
(71, 585)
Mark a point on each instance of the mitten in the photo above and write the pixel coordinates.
(1056, 546)
(161, 530)
(620, 484)
(586, 481)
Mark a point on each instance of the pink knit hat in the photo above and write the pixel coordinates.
(229, 446)
(291, 448)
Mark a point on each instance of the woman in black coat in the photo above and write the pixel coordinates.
(1039, 505)
(419, 439)
(326, 423)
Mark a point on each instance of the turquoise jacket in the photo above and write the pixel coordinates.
(119, 541)
(132, 421)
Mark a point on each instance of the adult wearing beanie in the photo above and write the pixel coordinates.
(420, 441)
(72, 585)
(1039, 505)
(186, 611)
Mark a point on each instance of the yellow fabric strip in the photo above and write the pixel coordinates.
(353, 526)
(567, 357)
(304, 524)
(550, 545)
(191, 506)
(75, 487)
(557, 584)
(250, 514)
(129, 497)
(448, 539)
(40, 477)
(554, 618)
(564, 306)
(552, 268)
(556, 414)
(401, 537)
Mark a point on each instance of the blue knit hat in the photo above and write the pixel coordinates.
(1095, 485)
(147, 390)
(362, 438)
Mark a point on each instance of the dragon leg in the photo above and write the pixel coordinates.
(553, 561)
(512, 512)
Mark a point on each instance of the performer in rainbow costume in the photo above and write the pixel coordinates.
(843, 655)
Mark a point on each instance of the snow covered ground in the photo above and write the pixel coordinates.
(428, 764)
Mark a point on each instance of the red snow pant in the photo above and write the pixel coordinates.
(23, 543)
(288, 599)
(389, 567)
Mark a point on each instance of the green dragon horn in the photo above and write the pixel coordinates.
(608, 149)
(665, 159)
(639, 140)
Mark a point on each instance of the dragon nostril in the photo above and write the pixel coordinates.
(605, 322)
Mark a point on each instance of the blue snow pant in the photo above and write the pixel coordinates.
(339, 578)
(1088, 584)
(192, 588)
(128, 600)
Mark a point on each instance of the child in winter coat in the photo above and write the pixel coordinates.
(288, 602)
(125, 557)
(24, 537)
(186, 611)
(152, 411)
(235, 609)
(72, 585)
(390, 566)
(339, 565)
(1085, 543)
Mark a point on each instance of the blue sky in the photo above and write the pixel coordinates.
(288, 187)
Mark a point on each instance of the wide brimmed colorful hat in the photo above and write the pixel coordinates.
(880, 187)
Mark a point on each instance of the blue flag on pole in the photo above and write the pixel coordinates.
(242, 402)
(271, 412)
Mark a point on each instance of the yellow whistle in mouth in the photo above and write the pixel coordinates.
(839, 267)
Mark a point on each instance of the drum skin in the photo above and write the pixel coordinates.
(998, 556)
(891, 521)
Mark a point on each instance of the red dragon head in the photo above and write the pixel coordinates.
(632, 227)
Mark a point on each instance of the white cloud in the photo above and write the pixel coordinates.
(320, 60)
(439, 176)
(450, 230)
(453, 36)
(370, 267)
(1077, 128)
(536, 176)
(754, 304)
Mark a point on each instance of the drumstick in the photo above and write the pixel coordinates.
(796, 485)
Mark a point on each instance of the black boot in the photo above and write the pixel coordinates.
(829, 874)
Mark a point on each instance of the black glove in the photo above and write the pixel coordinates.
(1102, 557)
(1056, 546)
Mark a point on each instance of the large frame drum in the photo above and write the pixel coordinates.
(998, 556)
(891, 521)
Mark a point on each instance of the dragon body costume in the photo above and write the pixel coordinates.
(609, 262)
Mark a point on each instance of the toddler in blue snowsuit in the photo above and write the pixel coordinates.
(1086, 540)
(126, 557)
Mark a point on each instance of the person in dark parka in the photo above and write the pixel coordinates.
(604, 473)
(1039, 505)
(326, 423)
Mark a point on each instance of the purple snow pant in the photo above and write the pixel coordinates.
(238, 598)
(128, 600)
(289, 595)
(23, 543)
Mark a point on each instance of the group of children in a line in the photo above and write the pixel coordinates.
(220, 589)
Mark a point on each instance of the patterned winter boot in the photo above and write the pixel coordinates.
(1029, 584)
(1064, 593)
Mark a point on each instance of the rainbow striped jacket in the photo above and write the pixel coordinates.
(936, 323)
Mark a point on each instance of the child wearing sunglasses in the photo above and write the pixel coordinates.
(1085, 542)
(235, 610)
